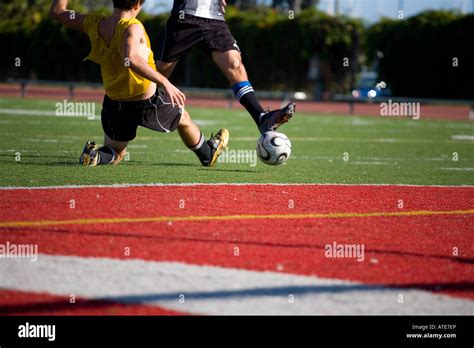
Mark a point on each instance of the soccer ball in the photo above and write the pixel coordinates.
(273, 148)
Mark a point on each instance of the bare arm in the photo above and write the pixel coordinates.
(132, 40)
(67, 17)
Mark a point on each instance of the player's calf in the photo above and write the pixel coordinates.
(207, 151)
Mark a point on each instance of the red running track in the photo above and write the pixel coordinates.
(407, 251)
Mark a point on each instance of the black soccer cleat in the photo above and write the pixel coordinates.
(90, 155)
(271, 120)
(217, 143)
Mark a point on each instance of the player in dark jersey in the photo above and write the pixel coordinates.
(201, 23)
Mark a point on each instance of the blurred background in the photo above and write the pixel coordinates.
(320, 49)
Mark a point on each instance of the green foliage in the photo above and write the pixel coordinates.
(419, 52)
(25, 15)
(277, 50)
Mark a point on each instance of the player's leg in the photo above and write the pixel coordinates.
(230, 63)
(112, 152)
(189, 131)
(206, 151)
(118, 130)
(159, 115)
(119, 123)
(115, 150)
(181, 35)
(226, 54)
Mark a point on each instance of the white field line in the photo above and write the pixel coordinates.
(32, 112)
(219, 184)
(368, 163)
(463, 137)
(455, 139)
(361, 140)
(216, 290)
(33, 140)
(459, 169)
(395, 159)
(293, 138)
(27, 112)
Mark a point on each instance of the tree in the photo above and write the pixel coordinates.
(243, 3)
(26, 14)
(296, 5)
(93, 5)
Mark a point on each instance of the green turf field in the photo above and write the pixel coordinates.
(380, 150)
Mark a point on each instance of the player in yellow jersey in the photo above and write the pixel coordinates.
(136, 94)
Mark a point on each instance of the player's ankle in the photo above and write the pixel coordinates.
(202, 150)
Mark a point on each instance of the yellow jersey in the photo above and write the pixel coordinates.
(120, 82)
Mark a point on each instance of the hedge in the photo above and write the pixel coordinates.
(276, 50)
(420, 52)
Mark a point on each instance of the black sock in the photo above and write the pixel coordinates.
(202, 150)
(106, 154)
(245, 94)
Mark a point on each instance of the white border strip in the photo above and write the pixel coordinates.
(5, 188)
(215, 290)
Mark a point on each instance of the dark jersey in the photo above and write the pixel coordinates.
(200, 8)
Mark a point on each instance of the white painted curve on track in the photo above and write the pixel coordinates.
(216, 290)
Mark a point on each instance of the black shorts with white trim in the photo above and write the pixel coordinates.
(120, 119)
(184, 32)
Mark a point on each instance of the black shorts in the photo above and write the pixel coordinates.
(120, 120)
(183, 34)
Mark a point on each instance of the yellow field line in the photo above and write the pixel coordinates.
(231, 217)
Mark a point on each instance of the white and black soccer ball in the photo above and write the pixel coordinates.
(273, 148)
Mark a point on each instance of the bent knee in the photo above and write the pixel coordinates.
(231, 60)
(185, 119)
(235, 63)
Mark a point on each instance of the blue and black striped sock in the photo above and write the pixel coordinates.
(246, 96)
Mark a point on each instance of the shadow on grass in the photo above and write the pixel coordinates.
(229, 170)
(74, 162)
(196, 165)
(179, 164)
(53, 164)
